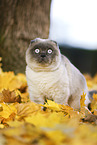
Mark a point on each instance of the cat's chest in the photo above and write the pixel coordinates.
(45, 81)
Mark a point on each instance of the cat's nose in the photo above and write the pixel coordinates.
(43, 55)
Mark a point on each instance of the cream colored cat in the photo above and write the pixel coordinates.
(50, 75)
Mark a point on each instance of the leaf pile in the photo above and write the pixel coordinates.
(91, 82)
(23, 122)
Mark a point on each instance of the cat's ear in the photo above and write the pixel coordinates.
(55, 43)
(35, 40)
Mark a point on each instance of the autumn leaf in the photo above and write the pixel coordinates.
(95, 97)
(91, 82)
(82, 100)
(10, 96)
(26, 134)
(57, 136)
(25, 122)
(7, 110)
(15, 123)
(52, 105)
(66, 108)
(94, 104)
(27, 108)
(41, 120)
(1, 125)
(8, 80)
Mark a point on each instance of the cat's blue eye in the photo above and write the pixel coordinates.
(49, 51)
(37, 50)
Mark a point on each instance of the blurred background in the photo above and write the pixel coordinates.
(20, 22)
(72, 23)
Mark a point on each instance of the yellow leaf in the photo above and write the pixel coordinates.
(95, 97)
(8, 80)
(41, 120)
(25, 109)
(82, 100)
(26, 134)
(15, 123)
(95, 112)
(94, 103)
(52, 105)
(10, 96)
(1, 108)
(7, 110)
(1, 126)
(57, 136)
(66, 108)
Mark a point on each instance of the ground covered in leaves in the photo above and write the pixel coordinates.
(23, 122)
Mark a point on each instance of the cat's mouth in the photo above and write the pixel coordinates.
(43, 60)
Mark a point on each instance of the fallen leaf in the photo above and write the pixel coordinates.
(82, 100)
(52, 105)
(57, 136)
(26, 134)
(95, 97)
(41, 120)
(27, 108)
(7, 110)
(8, 80)
(15, 123)
(10, 96)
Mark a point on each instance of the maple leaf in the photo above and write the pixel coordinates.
(15, 123)
(27, 108)
(7, 110)
(52, 105)
(10, 96)
(95, 97)
(91, 82)
(82, 100)
(66, 108)
(57, 136)
(94, 104)
(26, 134)
(25, 97)
(8, 80)
(42, 120)
(2, 126)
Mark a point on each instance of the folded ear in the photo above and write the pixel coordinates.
(34, 40)
(54, 42)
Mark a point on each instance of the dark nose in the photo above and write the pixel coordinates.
(43, 55)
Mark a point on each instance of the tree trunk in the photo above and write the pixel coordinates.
(21, 21)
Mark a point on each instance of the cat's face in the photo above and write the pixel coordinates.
(43, 54)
